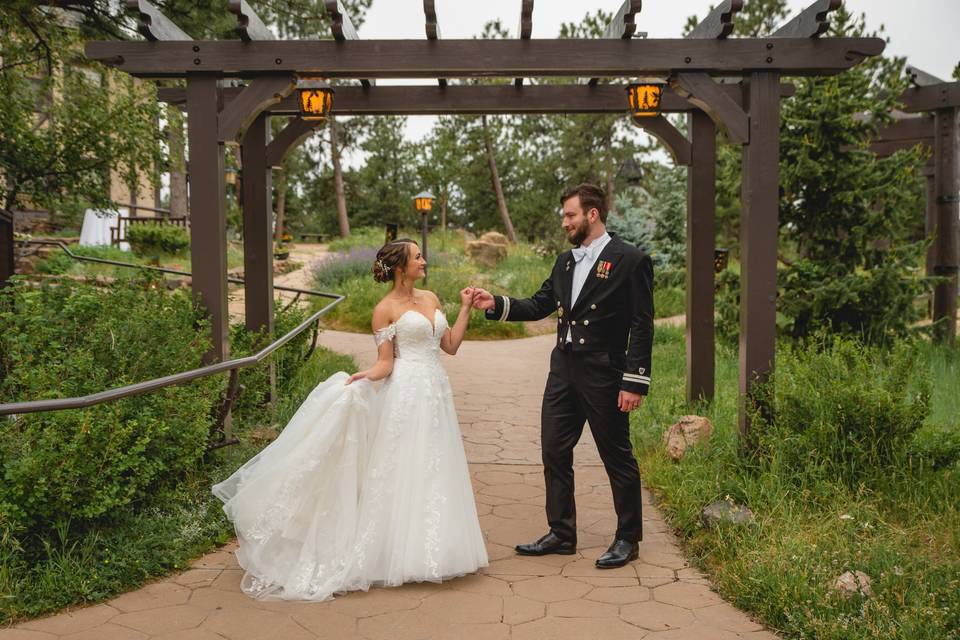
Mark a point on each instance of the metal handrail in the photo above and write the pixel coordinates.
(140, 388)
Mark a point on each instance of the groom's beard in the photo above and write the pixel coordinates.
(579, 234)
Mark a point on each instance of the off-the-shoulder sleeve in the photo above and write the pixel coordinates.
(389, 332)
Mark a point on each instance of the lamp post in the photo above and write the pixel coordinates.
(423, 202)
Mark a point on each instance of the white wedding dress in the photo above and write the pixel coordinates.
(364, 486)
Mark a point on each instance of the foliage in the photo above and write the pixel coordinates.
(76, 563)
(655, 217)
(75, 339)
(67, 126)
(333, 270)
(152, 238)
(899, 526)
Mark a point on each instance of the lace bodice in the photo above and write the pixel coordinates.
(414, 337)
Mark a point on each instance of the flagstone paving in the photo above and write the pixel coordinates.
(497, 387)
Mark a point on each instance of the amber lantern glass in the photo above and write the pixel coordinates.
(315, 99)
(645, 98)
(423, 201)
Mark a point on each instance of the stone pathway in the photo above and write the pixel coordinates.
(301, 252)
(497, 387)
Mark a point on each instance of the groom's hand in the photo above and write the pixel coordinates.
(627, 401)
(483, 299)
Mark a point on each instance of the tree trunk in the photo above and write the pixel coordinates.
(342, 219)
(281, 182)
(178, 163)
(495, 179)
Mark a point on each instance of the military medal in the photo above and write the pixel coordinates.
(603, 269)
(568, 265)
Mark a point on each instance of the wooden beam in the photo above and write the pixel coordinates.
(341, 26)
(676, 143)
(812, 22)
(485, 58)
(624, 21)
(249, 25)
(929, 98)
(257, 227)
(905, 129)
(760, 200)
(296, 131)
(886, 149)
(252, 100)
(208, 221)
(701, 222)
(920, 78)
(152, 24)
(475, 99)
(526, 27)
(432, 28)
(719, 22)
(701, 90)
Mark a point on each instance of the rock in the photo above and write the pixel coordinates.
(727, 512)
(486, 253)
(853, 582)
(494, 237)
(24, 266)
(687, 431)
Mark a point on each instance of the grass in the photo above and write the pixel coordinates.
(157, 537)
(901, 526)
(58, 262)
(520, 275)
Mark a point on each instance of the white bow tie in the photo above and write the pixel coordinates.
(579, 253)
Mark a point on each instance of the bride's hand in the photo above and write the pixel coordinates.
(360, 375)
(466, 297)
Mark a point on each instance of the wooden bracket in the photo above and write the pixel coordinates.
(700, 89)
(676, 143)
(719, 22)
(152, 24)
(296, 131)
(260, 94)
(812, 22)
(249, 25)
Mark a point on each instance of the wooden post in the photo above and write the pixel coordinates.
(257, 214)
(947, 192)
(208, 220)
(930, 220)
(758, 239)
(423, 241)
(701, 210)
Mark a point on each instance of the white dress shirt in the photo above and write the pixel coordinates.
(581, 271)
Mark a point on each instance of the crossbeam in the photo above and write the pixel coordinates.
(719, 23)
(432, 28)
(624, 22)
(931, 97)
(485, 58)
(812, 22)
(525, 29)
(464, 99)
(152, 24)
(341, 27)
(249, 25)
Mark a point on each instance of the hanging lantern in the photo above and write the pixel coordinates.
(645, 98)
(720, 257)
(315, 98)
(423, 201)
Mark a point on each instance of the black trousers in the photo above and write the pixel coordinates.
(584, 387)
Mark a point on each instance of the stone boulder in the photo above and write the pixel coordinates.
(495, 237)
(486, 253)
(853, 582)
(725, 511)
(687, 431)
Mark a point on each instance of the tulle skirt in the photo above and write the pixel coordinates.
(364, 486)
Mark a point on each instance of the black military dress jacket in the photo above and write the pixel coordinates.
(614, 312)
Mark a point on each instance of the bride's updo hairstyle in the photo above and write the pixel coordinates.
(391, 256)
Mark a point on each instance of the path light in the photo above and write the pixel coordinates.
(645, 97)
(720, 257)
(423, 202)
(315, 98)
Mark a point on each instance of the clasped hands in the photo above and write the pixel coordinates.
(476, 297)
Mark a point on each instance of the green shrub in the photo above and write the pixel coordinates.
(58, 262)
(331, 271)
(157, 238)
(843, 410)
(364, 237)
(76, 339)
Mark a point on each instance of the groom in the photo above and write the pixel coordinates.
(602, 292)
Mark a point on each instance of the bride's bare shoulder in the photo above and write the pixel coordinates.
(431, 296)
(384, 313)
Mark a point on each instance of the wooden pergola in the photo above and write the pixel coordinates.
(733, 84)
(929, 120)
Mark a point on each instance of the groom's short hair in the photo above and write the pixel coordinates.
(591, 197)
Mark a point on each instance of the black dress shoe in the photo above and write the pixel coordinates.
(620, 553)
(548, 544)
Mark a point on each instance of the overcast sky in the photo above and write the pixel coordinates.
(925, 31)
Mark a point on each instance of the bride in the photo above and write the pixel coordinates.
(365, 485)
